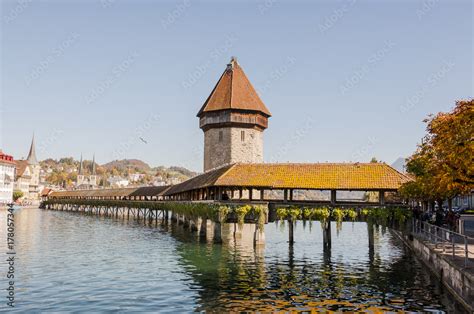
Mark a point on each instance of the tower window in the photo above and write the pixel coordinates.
(221, 136)
(242, 136)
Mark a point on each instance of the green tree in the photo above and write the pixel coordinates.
(17, 194)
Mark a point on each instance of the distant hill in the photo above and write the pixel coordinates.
(128, 164)
(179, 170)
(63, 172)
(400, 165)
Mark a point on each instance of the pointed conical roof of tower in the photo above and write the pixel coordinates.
(234, 91)
(93, 165)
(80, 166)
(32, 154)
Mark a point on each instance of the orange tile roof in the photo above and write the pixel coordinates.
(318, 176)
(21, 167)
(234, 91)
(46, 191)
(204, 180)
(118, 192)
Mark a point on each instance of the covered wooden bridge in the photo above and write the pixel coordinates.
(282, 184)
(148, 193)
(290, 183)
(273, 183)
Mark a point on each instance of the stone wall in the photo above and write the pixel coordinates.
(216, 148)
(458, 281)
(230, 145)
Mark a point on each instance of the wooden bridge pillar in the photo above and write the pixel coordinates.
(370, 233)
(327, 235)
(203, 228)
(333, 197)
(217, 232)
(291, 227)
(382, 197)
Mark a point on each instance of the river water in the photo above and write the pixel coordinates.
(75, 262)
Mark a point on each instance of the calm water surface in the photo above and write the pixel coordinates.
(73, 262)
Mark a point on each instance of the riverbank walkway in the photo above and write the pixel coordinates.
(456, 247)
(450, 256)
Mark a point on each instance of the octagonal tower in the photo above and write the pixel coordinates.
(233, 119)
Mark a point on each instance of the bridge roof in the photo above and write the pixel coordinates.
(119, 192)
(317, 176)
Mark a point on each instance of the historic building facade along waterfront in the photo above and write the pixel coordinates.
(28, 175)
(7, 177)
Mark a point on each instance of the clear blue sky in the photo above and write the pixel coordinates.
(344, 80)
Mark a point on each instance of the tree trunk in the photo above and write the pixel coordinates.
(440, 204)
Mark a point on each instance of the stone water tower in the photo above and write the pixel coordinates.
(233, 119)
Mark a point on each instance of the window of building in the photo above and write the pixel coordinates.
(242, 135)
(221, 136)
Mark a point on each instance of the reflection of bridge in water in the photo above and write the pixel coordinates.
(238, 276)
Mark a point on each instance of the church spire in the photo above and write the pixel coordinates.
(32, 154)
(80, 166)
(93, 165)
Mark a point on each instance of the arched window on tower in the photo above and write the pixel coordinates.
(242, 136)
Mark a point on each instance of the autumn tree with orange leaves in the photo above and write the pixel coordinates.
(443, 164)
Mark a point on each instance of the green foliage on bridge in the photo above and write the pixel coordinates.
(379, 215)
(192, 210)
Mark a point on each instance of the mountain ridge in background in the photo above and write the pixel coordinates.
(400, 165)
